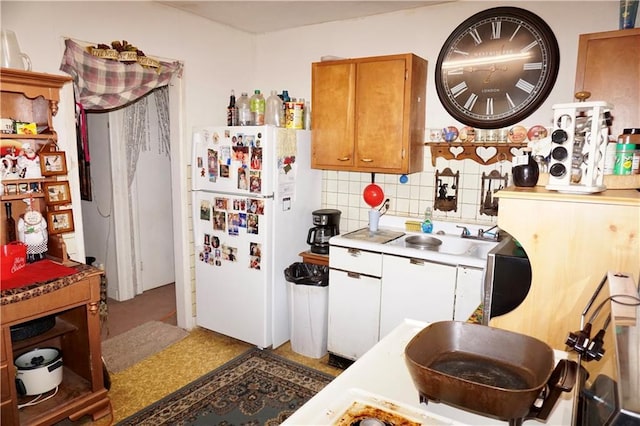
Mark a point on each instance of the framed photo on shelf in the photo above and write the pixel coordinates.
(57, 192)
(53, 163)
(60, 221)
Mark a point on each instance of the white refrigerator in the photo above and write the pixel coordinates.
(253, 192)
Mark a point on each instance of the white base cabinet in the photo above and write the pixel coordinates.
(371, 293)
(354, 313)
(415, 289)
(354, 301)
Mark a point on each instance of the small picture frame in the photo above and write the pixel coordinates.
(60, 221)
(57, 192)
(53, 163)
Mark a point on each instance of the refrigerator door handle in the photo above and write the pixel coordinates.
(236, 194)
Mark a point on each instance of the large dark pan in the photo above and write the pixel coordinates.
(486, 370)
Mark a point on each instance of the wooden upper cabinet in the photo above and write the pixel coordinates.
(369, 114)
(609, 68)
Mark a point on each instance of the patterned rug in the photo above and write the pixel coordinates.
(256, 388)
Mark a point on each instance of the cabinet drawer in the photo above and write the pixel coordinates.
(356, 260)
(67, 297)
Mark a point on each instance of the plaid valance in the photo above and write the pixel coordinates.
(103, 84)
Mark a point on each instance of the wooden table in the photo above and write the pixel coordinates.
(315, 258)
(74, 300)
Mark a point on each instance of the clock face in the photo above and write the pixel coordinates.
(497, 67)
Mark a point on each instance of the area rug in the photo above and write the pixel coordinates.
(255, 388)
(132, 346)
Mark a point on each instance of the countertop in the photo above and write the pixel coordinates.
(629, 197)
(39, 288)
(394, 226)
(381, 375)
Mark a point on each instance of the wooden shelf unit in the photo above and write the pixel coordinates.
(481, 152)
(74, 300)
(31, 97)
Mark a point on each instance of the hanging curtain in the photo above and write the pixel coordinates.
(103, 84)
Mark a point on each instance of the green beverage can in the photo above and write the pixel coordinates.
(624, 159)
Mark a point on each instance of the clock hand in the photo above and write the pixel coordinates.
(493, 69)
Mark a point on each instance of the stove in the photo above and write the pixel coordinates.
(380, 380)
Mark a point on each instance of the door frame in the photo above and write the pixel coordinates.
(128, 270)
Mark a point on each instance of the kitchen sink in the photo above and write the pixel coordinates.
(424, 242)
(445, 244)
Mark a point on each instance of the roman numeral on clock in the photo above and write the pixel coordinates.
(471, 101)
(458, 89)
(532, 66)
(529, 46)
(495, 29)
(515, 32)
(489, 106)
(475, 36)
(525, 86)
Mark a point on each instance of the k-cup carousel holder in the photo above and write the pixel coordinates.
(578, 142)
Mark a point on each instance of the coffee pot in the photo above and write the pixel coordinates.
(327, 223)
(11, 56)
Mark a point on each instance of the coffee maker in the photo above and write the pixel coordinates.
(327, 224)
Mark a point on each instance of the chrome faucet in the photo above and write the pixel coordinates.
(482, 232)
(465, 231)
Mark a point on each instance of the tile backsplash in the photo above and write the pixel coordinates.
(343, 191)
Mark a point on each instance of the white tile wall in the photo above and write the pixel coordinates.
(343, 191)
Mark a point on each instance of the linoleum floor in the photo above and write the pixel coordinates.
(163, 373)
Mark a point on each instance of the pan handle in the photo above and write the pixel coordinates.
(561, 380)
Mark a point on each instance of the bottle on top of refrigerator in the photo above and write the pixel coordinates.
(232, 111)
(293, 114)
(285, 98)
(273, 110)
(257, 108)
(244, 110)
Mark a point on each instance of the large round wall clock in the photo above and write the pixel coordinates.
(497, 67)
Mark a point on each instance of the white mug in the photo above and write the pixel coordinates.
(374, 218)
(12, 57)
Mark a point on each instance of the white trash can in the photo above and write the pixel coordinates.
(308, 309)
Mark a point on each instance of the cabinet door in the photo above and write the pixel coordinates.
(468, 292)
(332, 110)
(608, 67)
(354, 313)
(369, 114)
(380, 114)
(415, 289)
